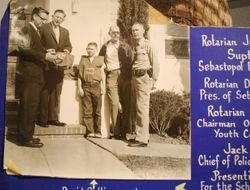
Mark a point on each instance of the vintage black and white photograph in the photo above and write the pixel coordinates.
(98, 89)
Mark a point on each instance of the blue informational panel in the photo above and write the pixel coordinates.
(220, 82)
(220, 114)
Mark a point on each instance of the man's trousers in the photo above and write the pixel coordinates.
(142, 86)
(50, 96)
(28, 109)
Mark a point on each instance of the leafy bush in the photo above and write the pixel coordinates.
(169, 113)
(179, 125)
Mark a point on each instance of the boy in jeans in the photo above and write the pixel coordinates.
(91, 80)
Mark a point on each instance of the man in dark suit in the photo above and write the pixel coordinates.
(30, 73)
(56, 39)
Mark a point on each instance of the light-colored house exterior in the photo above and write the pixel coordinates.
(89, 21)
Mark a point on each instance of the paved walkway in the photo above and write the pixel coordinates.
(156, 161)
(119, 147)
(72, 156)
(69, 157)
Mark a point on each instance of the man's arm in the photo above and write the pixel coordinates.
(103, 81)
(154, 62)
(80, 90)
(102, 51)
(128, 52)
(31, 53)
(68, 46)
(26, 50)
(79, 82)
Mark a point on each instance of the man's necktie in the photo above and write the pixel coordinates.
(38, 32)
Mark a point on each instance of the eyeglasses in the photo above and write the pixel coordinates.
(58, 17)
(44, 19)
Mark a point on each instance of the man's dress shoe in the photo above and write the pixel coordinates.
(43, 125)
(57, 123)
(91, 135)
(116, 137)
(136, 143)
(31, 144)
(98, 135)
(35, 139)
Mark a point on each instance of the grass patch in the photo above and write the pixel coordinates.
(157, 167)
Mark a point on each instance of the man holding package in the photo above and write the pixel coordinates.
(56, 40)
(32, 57)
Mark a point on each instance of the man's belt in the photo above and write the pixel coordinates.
(142, 72)
(111, 71)
(92, 83)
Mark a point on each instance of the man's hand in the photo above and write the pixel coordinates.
(120, 107)
(51, 57)
(51, 50)
(66, 51)
(61, 56)
(103, 90)
(80, 92)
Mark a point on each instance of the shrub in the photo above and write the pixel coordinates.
(168, 111)
(179, 125)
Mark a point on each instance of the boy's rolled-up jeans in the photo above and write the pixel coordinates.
(91, 104)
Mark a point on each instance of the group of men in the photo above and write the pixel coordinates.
(40, 78)
(130, 72)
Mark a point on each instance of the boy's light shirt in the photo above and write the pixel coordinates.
(91, 59)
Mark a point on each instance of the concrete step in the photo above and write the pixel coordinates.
(55, 130)
(70, 129)
(11, 119)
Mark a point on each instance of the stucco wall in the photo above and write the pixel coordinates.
(174, 72)
(90, 23)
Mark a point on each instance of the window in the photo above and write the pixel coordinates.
(177, 48)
